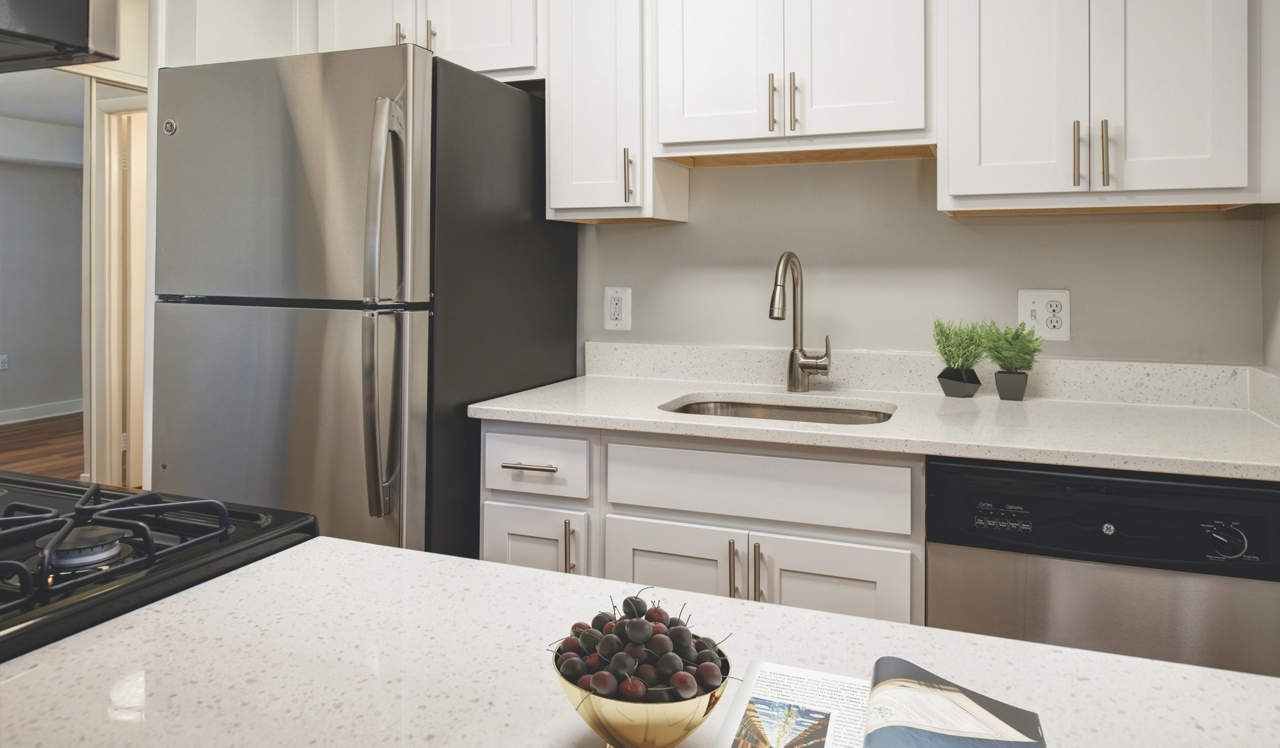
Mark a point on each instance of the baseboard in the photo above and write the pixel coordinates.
(45, 410)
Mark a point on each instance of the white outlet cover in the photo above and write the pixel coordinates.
(617, 308)
(1037, 308)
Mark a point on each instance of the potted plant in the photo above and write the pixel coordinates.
(961, 348)
(1014, 350)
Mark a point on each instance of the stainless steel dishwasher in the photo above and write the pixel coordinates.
(1167, 567)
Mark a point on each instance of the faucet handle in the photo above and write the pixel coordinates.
(820, 366)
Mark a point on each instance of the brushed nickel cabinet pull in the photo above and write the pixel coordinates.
(772, 93)
(756, 584)
(733, 571)
(1075, 153)
(431, 37)
(568, 532)
(531, 468)
(1106, 155)
(626, 175)
(793, 102)
(400, 37)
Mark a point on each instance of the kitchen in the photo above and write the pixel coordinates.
(1155, 402)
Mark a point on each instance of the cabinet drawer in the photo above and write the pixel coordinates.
(535, 537)
(571, 459)
(817, 492)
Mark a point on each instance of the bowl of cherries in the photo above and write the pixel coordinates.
(639, 677)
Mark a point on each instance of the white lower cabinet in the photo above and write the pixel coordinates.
(535, 537)
(856, 580)
(676, 554)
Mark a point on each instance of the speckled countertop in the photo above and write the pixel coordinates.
(341, 643)
(1213, 441)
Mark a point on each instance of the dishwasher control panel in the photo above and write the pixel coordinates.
(1231, 528)
(1001, 517)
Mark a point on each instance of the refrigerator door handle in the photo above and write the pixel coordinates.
(381, 489)
(388, 127)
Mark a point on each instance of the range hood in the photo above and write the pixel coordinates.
(56, 33)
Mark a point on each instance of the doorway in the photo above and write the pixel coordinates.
(116, 202)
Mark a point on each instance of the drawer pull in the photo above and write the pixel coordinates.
(532, 468)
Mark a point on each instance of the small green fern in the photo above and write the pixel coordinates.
(959, 345)
(1011, 348)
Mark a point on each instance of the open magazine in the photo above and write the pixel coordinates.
(902, 706)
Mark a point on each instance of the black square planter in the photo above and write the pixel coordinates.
(1011, 385)
(959, 382)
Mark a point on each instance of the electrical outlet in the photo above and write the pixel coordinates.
(4, 362)
(1048, 312)
(617, 308)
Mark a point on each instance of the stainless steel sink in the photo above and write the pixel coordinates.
(843, 416)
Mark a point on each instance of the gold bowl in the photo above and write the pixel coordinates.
(630, 724)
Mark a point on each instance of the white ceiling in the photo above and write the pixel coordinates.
(43, 96)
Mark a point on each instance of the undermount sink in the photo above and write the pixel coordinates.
(775, 412)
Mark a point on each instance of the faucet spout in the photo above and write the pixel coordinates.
(802, 365)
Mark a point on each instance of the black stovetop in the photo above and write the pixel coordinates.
(74, 555)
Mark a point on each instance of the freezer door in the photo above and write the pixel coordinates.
(315, 410)
(300, 177)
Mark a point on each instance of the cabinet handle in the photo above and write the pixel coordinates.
(1106, 155)
(1075, 153)
(626, 175)
(568, 532)
(773, 90)
(793, 102)
(733, 569)
(531, 468)
(431, 37)
(756, 582)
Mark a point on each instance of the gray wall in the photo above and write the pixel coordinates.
(880, 262)
(39, 284)
(1271, 289)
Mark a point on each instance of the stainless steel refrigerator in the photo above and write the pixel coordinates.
(351, 247)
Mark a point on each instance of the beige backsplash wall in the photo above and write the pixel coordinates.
(1271, 289)
(881, 262)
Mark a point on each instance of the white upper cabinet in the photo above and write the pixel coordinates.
(198, 32)
(1018, 104)
(594, 124)
(485, 35)
(1096, 96)
(857, 66)
(357, 24)
(720, 70)
(1171, 80)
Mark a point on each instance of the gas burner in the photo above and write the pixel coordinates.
(85, 546)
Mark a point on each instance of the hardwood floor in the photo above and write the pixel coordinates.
(49, 446)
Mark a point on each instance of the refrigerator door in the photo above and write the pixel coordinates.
(315, 410)
(300, 177)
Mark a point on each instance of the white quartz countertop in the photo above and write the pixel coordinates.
(341, 643)
(1222, 442)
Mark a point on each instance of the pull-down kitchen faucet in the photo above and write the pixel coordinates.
(802, 365)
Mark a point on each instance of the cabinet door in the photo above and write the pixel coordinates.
(715, 59)
(198, 32)
(856, 580)
(357, 24)
(484, 35)
(593, 104)
(858, 66)
(1018, 82)
(535, 537)
(675, 554)
(1171, 78)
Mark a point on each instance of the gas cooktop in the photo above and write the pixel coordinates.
(74, 555)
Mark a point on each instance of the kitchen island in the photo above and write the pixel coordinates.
(340, 643)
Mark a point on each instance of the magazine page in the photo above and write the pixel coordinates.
(911, 706)
(785, 707)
